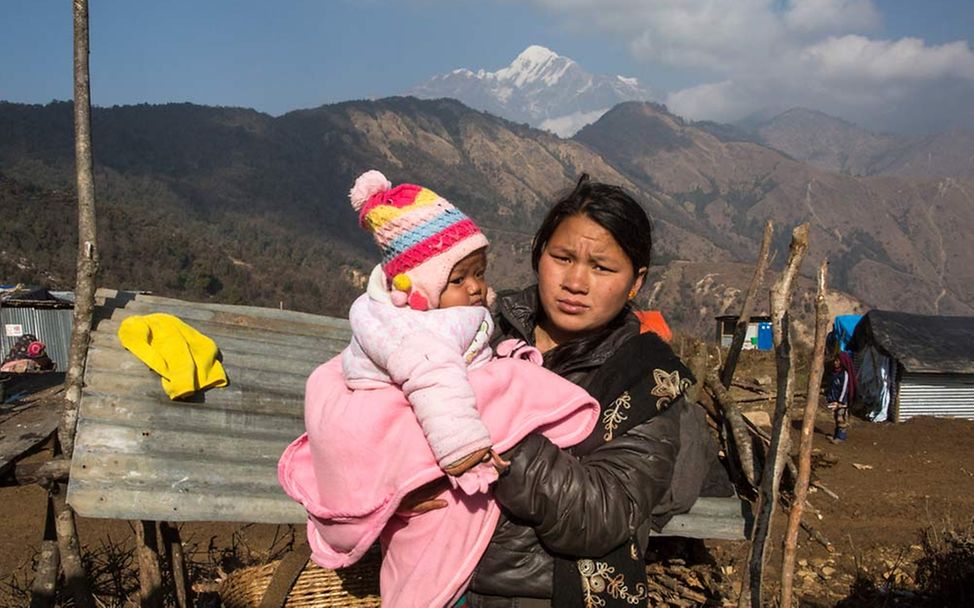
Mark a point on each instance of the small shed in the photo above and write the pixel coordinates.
(45, 314)
(914, 365)
(758, 331)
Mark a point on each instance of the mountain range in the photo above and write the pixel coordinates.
(233, 205)
(540, 88)
(834, 144)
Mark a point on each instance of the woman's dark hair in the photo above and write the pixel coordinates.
(617, 212)
(609, 207)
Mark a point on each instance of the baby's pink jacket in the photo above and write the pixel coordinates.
(426, 353)
(364, 451)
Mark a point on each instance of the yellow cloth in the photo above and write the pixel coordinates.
(185, 358)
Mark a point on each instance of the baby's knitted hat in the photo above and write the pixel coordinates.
(421, 235)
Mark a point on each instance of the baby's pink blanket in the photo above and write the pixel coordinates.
(364, 450)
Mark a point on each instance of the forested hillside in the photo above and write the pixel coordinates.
(237, 206)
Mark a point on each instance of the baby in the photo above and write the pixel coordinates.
(423, 321)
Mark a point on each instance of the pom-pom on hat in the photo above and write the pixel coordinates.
(421, 235)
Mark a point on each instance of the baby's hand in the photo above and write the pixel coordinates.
(468, 462)
(477, 479)
(499, 463)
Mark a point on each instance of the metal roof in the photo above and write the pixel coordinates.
(921, 343)
(139, 455)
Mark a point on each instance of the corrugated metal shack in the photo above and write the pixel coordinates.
(914, 365)
(139, 455)
(47, 315)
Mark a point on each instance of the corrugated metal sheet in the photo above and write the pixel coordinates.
(52, 326)
(139, 455)
(950, 395)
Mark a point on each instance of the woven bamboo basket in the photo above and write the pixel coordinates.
(354, 587)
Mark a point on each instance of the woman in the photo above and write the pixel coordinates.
(577, 521)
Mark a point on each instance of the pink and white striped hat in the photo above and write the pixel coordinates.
(421, 235)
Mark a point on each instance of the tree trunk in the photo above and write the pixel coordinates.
(67, 532)
(150, 573)
(805, 444)
(87, 263)
(778, 450)
(75, 578)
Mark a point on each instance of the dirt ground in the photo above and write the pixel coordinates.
(892, 481)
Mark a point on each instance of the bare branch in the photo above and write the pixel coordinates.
(739, 432)
(747, 307)
(778, 450)
(805, 444)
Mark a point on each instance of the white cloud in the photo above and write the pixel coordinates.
(720, 101)
(763, 53)
(833, 16)
(854, 58)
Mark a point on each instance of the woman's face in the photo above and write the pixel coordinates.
(584, 279)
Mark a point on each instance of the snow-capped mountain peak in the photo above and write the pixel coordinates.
(539, 87)
(533, 64)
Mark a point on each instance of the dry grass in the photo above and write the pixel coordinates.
(113, 574)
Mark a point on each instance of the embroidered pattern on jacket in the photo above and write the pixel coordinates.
(614, 415)
(668, 387)
(599, 578)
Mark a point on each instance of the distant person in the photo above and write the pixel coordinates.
(28, 354)
(837, 395)
(420, 337)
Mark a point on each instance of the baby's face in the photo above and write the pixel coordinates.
(467, 285)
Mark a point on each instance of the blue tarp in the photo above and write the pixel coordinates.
(842, 329)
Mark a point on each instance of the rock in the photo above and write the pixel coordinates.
(762, 380)
(759, 418)
(828, 571)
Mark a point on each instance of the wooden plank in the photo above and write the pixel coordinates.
(711, 518)
(25, 429)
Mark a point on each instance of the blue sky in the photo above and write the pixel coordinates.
(717, 59)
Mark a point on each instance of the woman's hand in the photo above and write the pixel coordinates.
(424, 498)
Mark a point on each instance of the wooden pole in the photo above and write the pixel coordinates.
(150, 573)
(44, 588)
(805, 443)
(698, 367)
(778, 450)
(173, 545)
(740, 330)
(87, 264)
(75, 578)
(69, 547)
(743, 445)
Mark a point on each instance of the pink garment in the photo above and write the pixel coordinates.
(363, 452)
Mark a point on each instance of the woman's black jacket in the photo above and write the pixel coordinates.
(555, 503)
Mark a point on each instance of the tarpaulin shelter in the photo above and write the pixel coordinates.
(914, 365)
(843, 326)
